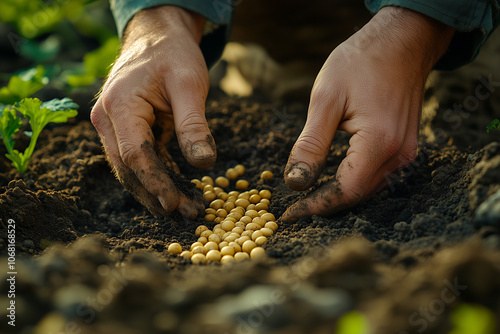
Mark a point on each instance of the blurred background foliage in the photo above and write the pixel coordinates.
(74, 40)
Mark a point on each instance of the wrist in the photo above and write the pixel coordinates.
(420, 39)
(164, 21)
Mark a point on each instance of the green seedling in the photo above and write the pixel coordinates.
(23, 85)
(494, 125)
(39, 114)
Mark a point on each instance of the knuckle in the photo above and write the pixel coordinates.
(129, 153)
(193, 121)
(190, 79)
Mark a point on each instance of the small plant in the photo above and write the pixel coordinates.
(494, 125)
(23, 85)
(39, 114)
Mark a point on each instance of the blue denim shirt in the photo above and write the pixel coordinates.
(473, 20)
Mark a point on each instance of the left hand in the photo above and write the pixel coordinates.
(371, 86)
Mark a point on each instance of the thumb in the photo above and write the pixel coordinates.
(308, 156)
(193, 134)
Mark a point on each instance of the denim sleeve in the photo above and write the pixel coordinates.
(218, 12)
(473, 20)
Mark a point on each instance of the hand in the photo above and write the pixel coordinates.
(159, 80)
(371, 86)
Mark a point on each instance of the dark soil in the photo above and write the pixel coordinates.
(90, 259)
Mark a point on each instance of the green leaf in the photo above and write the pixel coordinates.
(494, 125)
(352, 323)
(473, 319)
(97, 63)
(9, 125)
(23, 85)
(63, 104)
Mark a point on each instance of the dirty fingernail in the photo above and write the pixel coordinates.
(202, 150)
(298, 176)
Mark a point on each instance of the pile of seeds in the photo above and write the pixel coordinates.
(243, 223)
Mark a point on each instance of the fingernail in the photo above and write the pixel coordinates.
(299, 173)
(187, 209)
(202, 150)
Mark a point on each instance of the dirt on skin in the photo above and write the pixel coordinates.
(91, 259)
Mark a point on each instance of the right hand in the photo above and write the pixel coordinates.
(161, 79)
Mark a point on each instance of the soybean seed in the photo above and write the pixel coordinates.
(247, 234)
(240, 169)
(218, 220)
(265, 194)
(198, 258)
(228, 250)
(266, 231)
(241, 256)
(227, 225)
(210, 217)
(236, 246)
(271, 225)
(223, 196)
(221, 213)
(215, 238)
(202, 240)
(210, 210)
(222, 182)
(186, 254)
(252, 227)
(213, 255)
(208, 188)
(251, 207)
(242, 184)
(209, 196)
(265, 201)
(206, 233)
(248, 246)
(208, 180)
(218, 191)
(200, 229)
(228, 206)
(199, 249)
(211, 245)
(252, 214)
(175, 248)
(217, 204)
(195, 244)
(237, 229)
(255, 235)
(223, 244)
(268, 217)
(197, 183)
(231, 174)
(257, 253)
(261, 206)
(259, 221)
(227, 259)
(266, 175)
(242, 202)
(260, 240)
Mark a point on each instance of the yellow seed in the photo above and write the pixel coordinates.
(257, 253)
(228, 206)
(210, 217)
(227, 259)
(208, 180)
(216, 204)
(195, 244)
(210, 210)
(251, 207)
(256, 234)
(240, 224)
(237, 229)
(246, 219)
(218, 220)
(266, 175)
(198, 258)
(247, 233)
(231, 199)
(222, 213)
(175, 248)
(223, 244)
(200, 229)
(231, 218)
(234, 215)
(259, 221)
(242, 184)
(236, 235)
(223, 196)
(241, 240)
(227, 225)
(265, 194)
(268, 217)
(266, 231)
(197, 183)
(218, 191)
(234, 193)
(228, 250)
(261, 212)
(213, 255)
(244, 195)
(225, 235)
(265, 201)
(242, 202)
(206, 233)
(231, 174)
(248, 246)
(240, 169)
(217, 227)
(209, 196)
(230, 239)
(220, 233)
(241, 256)
(199, 249)
(252, 214)
(186, 254)
(252, 227)
(211, 245)
(261, 207)
(271, 225)
(222, 182)
(215, 238)
(236, 246)
(202, 240)
(260, 240)
(253, 192)
(208, 188)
